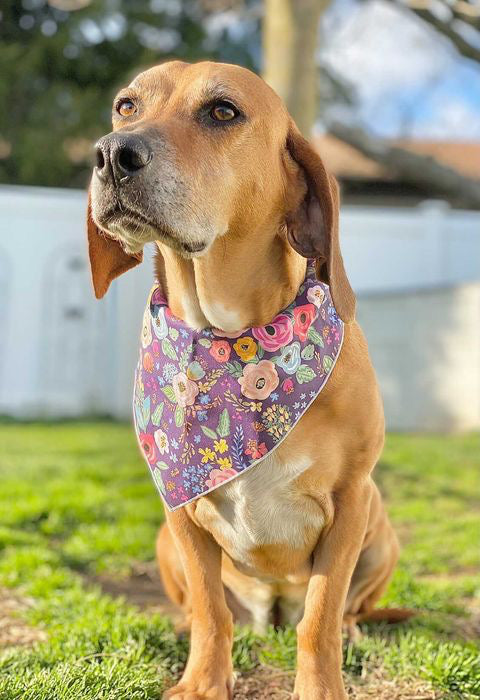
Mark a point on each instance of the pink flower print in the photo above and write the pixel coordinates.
(275, 334)
(147, 444)
(258, 380)
(219, 476)
(185, 389)
(256, 450)
(304, 316)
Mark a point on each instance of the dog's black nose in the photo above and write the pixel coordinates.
(121, 156)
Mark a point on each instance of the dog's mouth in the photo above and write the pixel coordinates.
(134, 229)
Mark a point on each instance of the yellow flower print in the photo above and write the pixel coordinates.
(246, 348)
(208, 454)
(276, 420)
(220, 446)
(224, 462)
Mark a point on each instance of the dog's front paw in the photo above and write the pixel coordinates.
(314, 686)
(202, 686)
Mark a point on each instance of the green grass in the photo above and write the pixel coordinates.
(77, 498)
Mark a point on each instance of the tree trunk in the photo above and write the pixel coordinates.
(290, 29)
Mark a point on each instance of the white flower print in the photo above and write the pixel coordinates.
(146, 334)
(169, 371)
(160, 326)
(316, 295)
(161, 441)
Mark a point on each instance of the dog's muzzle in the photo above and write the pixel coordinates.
(121, 156)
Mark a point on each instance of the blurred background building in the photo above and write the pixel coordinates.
(389, 92)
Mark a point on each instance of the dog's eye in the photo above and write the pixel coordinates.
(223, 112)
(125, 107)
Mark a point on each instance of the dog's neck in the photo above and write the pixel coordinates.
(238, 283)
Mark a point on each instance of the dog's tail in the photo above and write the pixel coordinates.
(388, 615)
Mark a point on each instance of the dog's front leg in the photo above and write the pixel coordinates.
(208, 673)
(319, 634)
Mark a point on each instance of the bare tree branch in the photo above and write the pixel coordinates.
(446, 28)
(467, 12)
(412, 168)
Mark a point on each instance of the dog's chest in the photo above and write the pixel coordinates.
(262, 520)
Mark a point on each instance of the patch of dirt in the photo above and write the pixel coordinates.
(144, 589)
(273, 684)
(14, 631)
(469, 627)
(264, 684)
(380, 686)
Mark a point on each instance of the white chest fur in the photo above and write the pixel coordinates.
(262, 507)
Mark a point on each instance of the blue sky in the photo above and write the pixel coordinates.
(409, 81)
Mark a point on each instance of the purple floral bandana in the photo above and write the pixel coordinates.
(209, 405)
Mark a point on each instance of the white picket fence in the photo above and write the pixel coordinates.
(62, 353)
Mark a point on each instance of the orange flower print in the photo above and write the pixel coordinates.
(220, 350)
(148, 362)
(246, 348)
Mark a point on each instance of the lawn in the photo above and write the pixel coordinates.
(77, 508)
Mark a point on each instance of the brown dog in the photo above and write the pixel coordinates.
(205, 161)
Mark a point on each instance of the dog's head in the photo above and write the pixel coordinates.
(202, 151)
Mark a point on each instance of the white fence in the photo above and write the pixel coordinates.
(62, 353)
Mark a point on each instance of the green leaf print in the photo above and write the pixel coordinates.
(308, 352)
(315, 337)
(304, 374)
(146, 410)
(157, 414)
(157, 477)
(205, 342)
(327, 363)
(223, 428)
(185, 357)
(162, 465)
(173, 333)
(139, 415)
(169, 393)
(168, 349)
(179, 416)
(234, 368)
(209, 432)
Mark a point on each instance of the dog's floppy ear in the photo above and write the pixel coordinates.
(312, 228)
(107, 257)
